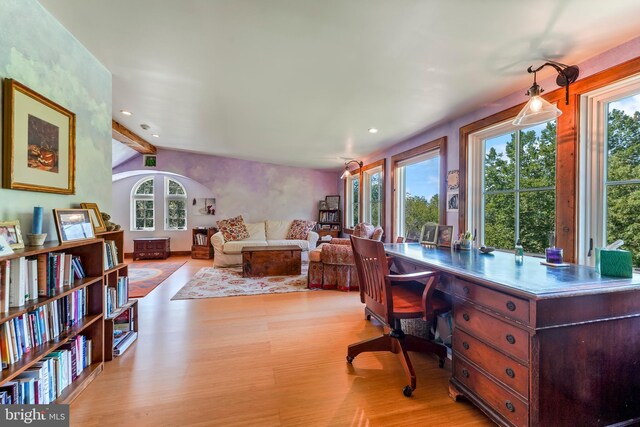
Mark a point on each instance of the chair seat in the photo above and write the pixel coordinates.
(407, 301)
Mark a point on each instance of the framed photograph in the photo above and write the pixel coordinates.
(322, 205)
(10, 230)
(39, 142)
(429, 233)
(149, 160)
(333, 202)
(453, 180)
(445, 233)
(5, 248)
(96, 217)
(73, 224)
(452, 202)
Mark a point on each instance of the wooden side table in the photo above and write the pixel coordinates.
(151, 248)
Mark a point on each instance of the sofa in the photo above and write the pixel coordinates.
(263, 233)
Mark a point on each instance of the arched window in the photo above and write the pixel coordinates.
(175, 205)
(142, 205)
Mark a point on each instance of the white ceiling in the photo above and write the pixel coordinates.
(299, 82)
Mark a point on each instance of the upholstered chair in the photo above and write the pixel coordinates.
(331, 265)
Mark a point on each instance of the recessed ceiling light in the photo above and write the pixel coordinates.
(126, 113)
(155, 135)
(373, 130)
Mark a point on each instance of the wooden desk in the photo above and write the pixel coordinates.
(536, 345)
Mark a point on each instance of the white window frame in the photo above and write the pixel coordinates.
(592, 221)
(134, 197)
(366, 194)
(401, 186)
(475, 177)
(349, 219)
(169, 197)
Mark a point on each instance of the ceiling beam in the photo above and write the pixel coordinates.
(130, 139)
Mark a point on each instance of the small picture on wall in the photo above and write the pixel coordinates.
(453, 180)
(204, 206)
(149, 160)
(452, 202)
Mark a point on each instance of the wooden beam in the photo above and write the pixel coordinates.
(130, 139)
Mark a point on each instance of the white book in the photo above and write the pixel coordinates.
(18, 285)
(43, 368)
(6, 283)
(61, 267)
(68, 272)
(32, 278)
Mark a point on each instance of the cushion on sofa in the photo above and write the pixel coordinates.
(256, 231)
(235, 246)
(302, 244)
(300, 229)
(277, 230)
(233, 228)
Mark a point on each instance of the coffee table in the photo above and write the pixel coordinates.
(259, 261)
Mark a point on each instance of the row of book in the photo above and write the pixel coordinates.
(21, 334)
(200, 239)
(329, 216)
(116, 296)
(25, 279)
(124, 333)
(46, 379)
(110, 254)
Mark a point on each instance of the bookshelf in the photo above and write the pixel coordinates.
(201, 242)
(329, 222)
(116, 285)
(66, 316)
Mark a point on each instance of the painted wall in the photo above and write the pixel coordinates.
(451, 129)
(37, 51)
(255, 190)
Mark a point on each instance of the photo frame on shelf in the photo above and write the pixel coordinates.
(333, 202)
(322, 205)
(5, 248)
(73, 224)
(429, 233)
(445, 234)
(39, 142)
(10, 230)
(96, 217)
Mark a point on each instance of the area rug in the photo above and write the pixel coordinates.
(211, 282)
(145, 276)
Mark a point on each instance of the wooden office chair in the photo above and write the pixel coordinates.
(389, 298)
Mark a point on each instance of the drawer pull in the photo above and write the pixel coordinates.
(465, 373)
(510, 373)
(510, 406)
(511, 339)
(465, 345)
(511, 306)
(465, 316)
(465, 290)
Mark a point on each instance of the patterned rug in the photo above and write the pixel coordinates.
(145, 276)
(211, 282)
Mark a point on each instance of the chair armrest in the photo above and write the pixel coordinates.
(340, 241)
(409, 277)
(312, 238)
(217, 241)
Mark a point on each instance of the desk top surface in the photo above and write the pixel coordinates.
(498, 269)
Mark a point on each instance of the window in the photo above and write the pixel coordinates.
(512, 181)
(419, 194)
(142, 205)
(175, 201)
(352, 199)
(610, 169)
(373, 193)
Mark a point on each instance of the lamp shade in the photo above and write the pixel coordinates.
(346, 174)
(537, 110)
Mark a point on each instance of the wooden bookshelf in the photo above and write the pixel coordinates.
(111, 277)
(198, 237)
(91, 325)
(329, 222)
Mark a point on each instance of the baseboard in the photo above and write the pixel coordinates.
(172, 253)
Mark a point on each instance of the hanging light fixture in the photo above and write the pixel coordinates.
(346, 173)
(538, 110)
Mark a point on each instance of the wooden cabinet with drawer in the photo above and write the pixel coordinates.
(151, 248)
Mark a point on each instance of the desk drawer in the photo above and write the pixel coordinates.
(506, 403)
(505, 369)
(500, 334)
(510, 306)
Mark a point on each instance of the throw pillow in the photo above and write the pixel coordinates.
(300, 229)
(233, 229)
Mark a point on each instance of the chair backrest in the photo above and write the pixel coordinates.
(371, 266)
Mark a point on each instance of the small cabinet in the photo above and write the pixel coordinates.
(151, 248)
(201, 247)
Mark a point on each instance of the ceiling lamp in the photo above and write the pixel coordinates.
(539, 110)
(346, 173)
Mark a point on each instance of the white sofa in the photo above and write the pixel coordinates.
(264, 233)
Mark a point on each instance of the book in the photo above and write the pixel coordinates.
(32, 278)
(18, 282)
(5, 282)
(123, 345)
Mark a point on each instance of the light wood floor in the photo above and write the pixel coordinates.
(266, 360)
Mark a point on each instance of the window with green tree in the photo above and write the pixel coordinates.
(373, 193)
(142, 205)
(352, 200)
(175, 205)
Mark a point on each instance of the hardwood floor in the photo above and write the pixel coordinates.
(266, 360)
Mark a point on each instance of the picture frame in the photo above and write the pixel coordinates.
(333, 202)
(322, 205)
(73, 224)
(453, 200)
(149, 160)
(445, 235)
(96, 217)
(429, 233)
(5, 247)
(453, 180)
(10, 230)
(39, 142)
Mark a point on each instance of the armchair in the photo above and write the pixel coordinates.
(331, 265)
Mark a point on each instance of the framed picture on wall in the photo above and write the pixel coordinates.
(333, 202)
(39, 142)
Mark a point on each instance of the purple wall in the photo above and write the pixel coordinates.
(617, 55)
(255, 190)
